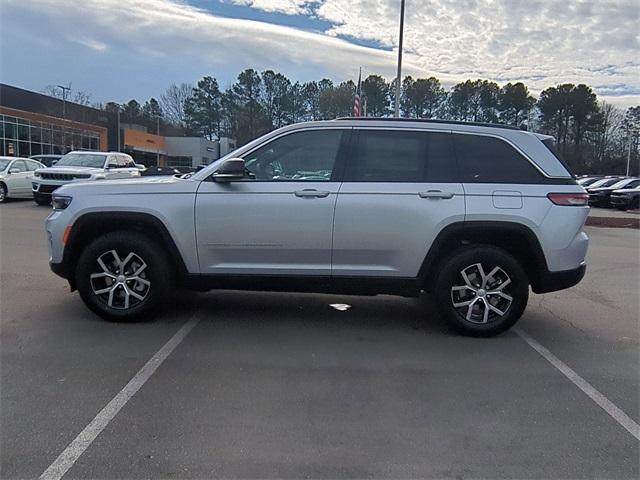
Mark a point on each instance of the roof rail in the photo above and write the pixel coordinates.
(431, 120)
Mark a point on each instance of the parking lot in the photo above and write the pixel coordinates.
(283, 386)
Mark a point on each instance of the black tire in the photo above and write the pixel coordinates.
(42, 200)
(450, 277)
(3, 192)
(157, 274)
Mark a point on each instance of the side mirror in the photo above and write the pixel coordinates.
(230, 170)
(14, 170)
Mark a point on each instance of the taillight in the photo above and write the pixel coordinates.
(569, 199)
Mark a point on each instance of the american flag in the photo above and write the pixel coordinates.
(357, 107)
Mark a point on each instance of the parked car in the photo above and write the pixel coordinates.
(47, 160)
(604, 182)
(15, 177)
(600, 196)
(586, 181)
(80, 166)
(626, 199)
(475, 214)
(155, 171)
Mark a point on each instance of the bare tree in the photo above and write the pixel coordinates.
(172, 102)
(80, 97)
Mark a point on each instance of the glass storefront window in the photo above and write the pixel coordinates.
(36, 148)
(23, 132)
(93, 144)
(9, 129)
(23, 149)
(35, 134)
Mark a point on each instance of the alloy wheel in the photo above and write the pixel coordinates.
(481, 298)
(121, 284)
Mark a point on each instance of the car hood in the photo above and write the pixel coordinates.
(70, 169)
(135, 185)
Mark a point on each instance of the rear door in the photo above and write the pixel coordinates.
(399, 191)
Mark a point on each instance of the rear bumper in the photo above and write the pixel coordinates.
(554, 281)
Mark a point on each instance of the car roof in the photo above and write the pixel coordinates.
(13, 158)
(91, 152)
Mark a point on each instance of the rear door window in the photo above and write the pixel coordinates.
(401, 156)
(483, 159)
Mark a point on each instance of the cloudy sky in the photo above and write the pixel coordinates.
(122, 49)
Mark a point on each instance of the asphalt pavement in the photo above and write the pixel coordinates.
(270, 385)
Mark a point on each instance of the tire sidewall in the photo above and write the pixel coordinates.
(489, 257)
(158, 273)
(4, 197)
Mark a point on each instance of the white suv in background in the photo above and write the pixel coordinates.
(81, 166)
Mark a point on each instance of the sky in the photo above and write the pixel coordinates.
(121, 49)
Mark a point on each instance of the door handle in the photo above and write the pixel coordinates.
(436, 194)
(311, 193)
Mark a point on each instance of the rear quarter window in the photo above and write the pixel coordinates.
(483, 159)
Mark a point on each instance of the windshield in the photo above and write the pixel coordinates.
(4, 163)
(605, 182)
(621, 183)
(82, 160)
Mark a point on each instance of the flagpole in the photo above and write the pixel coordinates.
(398, 78)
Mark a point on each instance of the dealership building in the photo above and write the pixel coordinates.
(32, 124)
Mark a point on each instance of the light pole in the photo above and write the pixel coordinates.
(398, 78)
(64, 114)
(64, 99)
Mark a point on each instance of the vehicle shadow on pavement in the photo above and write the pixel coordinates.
(396, 313)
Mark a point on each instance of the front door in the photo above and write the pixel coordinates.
(279, 220)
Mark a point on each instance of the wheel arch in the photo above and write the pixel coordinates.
(515, 238)
(92, 225)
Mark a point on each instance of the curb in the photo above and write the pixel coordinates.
(613, 222)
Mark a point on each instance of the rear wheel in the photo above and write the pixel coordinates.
(123, 276)
(482, 291)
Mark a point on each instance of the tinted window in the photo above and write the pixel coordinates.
(303, 156)
(491, 160)
(401, 156)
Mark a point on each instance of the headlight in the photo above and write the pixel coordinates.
(60, 202)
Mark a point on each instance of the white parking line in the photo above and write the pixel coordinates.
(70, 455)
(603, 402)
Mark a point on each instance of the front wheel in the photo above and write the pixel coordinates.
(482, 291)
(3, 193)
(123, 276)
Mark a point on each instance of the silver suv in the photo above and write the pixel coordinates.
(81, 166)
(474, 214)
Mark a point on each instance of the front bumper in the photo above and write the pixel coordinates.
(554, 281)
